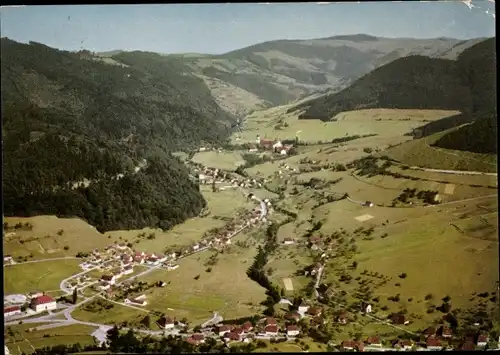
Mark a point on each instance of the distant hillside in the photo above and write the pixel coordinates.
(67, 118)
(278, 72)
(414, 82)
(417, 82)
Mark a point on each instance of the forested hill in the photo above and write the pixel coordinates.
(67, 118)
(417, 82)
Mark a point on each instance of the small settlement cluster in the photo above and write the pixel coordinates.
(33, 303)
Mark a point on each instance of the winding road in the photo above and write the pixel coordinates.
(54, 323)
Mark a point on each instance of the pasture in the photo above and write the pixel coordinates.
(283, 265)
(422, 246)
(49, 237)
(117, 314)
(222, 160)
(419, 152)
(382, 189)
(275, 123)
(38, 276)
(25, 338)
(204, 283)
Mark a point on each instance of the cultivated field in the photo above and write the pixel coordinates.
(43, 276)
(24, 338)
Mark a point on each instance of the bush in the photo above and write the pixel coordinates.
(66, 247)
(428, 297)
(197, 277)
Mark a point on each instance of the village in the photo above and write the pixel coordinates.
(113, 272)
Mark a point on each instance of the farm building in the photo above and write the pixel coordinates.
(11, 311)
(43, 303)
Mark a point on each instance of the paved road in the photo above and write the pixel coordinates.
(455, 172)
(462, 201)
(41, 260)
(67, 312)
(318, 279)
(214, 320)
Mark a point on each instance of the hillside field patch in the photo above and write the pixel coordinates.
(45, 275)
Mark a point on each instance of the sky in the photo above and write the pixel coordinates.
(220, 28)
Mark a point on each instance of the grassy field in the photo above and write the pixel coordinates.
(428, 245)
(43, 276)
(116, 315)
(221, 204)
(481, 180)
(382, 189)
(419, 152)
(19, 340)
(225, 289)
(44, 241)
(384, 122)
(304, 344)
(222, 160)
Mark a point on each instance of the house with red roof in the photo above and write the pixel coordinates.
(110, 279)
(11, 311)
(223, 329)
(292, 331)
(128, 269)
(196, 339)
(446, 332)
(482, 340)
(43, 303)
(314, 311)
(271, 330)
(271, 321)
(247, 326)
(374, 341)
(232, 336)
(348, 345)
(433, 343)
(292, 316)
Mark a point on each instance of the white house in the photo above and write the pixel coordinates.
(292, 330)
(196, 247)
(303, 308)
(166, 323)
(277, 145)
(103, 286)
(43, 303)
(368, 308)
(482, 340)
(121, 246)
(271, 330)
(111, 279)
(172, 267)
(128, 270)
(11, 311)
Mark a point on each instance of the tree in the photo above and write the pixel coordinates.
(75, 295)
(146, 321)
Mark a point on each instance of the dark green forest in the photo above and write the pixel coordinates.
(67, 117)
